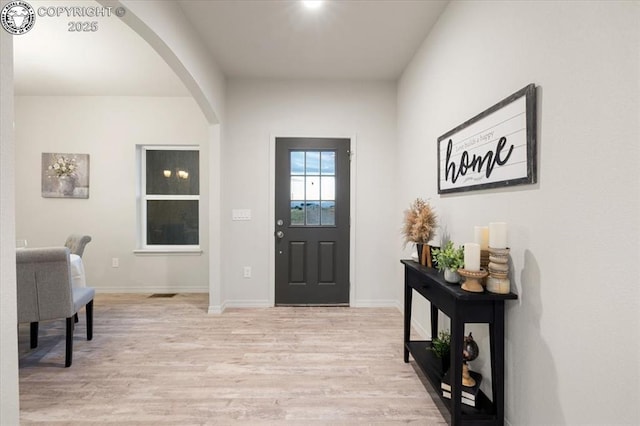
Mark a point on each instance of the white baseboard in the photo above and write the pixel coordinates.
(219, 309)
(400, 305)
(375, 303)
(244, 303)
(420, 329)
(216, 309)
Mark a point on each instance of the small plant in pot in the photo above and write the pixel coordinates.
(441, 347)
(449, 259)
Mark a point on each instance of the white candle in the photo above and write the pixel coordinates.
(472, 257)
(498, 235)
(481, 236)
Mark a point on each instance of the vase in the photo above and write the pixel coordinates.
(424, 254)
(66, 185)
(451, 276)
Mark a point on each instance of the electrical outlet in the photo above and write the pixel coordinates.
(115, 262)
(246, 272)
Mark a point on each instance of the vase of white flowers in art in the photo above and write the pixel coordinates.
(64, 168)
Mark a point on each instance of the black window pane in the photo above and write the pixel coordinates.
(172, 222)
(173, 172)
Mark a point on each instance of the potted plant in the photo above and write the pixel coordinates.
(449, 259)
(420, 223)
(441, 347)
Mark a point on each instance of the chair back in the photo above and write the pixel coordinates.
(76, 243)
(44, 289)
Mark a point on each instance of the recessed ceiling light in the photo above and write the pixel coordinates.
(312, 4)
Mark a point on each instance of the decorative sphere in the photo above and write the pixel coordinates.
(470, 349)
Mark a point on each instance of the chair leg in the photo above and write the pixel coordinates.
(75, 317)
(89, 309)
(34, 335)
(69, 345)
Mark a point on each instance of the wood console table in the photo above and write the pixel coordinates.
(462, 307)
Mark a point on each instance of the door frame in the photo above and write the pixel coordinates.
(272, 206)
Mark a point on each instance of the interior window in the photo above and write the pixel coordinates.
(171, 196)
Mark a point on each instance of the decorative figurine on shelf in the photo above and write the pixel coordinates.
(470, 352)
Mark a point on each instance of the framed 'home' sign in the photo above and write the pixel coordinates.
(493, 149)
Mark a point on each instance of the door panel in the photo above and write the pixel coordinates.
(297, 258)
(326, 260)
(312, 221)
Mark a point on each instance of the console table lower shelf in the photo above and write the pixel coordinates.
(431, 366)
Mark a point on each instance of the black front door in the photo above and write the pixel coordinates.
(312, 221)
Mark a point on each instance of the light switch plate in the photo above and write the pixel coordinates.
(241, 214)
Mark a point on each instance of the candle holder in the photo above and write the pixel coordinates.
(472, 280)
(498, 281)
(484, 264)
(484, 259)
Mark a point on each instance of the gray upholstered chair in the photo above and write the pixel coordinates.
(45, 292)
(76, 243)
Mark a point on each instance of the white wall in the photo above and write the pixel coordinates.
(258, 110)
(108, 129)
(572, 336)
(167, 30)
(9, 402)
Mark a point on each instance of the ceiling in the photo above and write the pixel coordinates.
(49, 60)
(256, 39)
(339, 40)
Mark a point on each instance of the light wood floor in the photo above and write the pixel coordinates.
(165, 360)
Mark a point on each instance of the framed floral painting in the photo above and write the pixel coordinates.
(65, 175)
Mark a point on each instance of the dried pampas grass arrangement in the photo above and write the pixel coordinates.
(420, 222)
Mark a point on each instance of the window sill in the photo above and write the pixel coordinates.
(170, 252)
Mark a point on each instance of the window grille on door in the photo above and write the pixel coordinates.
(313, 188)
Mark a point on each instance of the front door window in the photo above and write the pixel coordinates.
(313, 188)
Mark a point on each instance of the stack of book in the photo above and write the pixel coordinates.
(469, 394)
